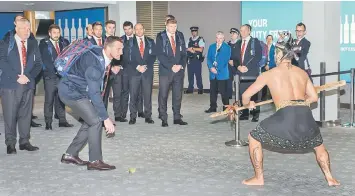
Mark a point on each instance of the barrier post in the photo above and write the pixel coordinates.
(236, 142)
(322, 95)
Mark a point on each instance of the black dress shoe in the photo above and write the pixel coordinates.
(188, 92)
(149, 121)
(200, 92)
(164, 123)
(11, 149)
(65, 124)
(28, 147)
(49, 126)
(243, 117)
(99, 165)
(210, 110)
(56, 116)
(179, 122)
(120, 119)
(132, 121)
(34, 117)
(33, 124)
(81, 120)
(255, 119)
(141, 115)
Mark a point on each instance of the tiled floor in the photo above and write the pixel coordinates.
(178, 160)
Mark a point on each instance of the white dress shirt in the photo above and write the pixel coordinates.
(19, 47)
(169, 36)
(107, 60)
(54, 42)
(139, 41)
(247, 39)
(97, 40)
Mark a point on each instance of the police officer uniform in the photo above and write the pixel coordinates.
(194, 66)
(234, 58)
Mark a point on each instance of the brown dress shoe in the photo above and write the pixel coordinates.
(99, 165)
(69, 159)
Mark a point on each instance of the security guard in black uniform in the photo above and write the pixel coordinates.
(195, 57)
(233, 62)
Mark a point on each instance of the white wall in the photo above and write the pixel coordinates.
(210, 17)
(120, 12)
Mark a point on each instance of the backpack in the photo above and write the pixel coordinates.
(264, 52)
(71, 54)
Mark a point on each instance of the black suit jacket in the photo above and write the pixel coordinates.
(165, 54)
(136, 58)
(302, 55)
(10, 64)
(49, 54)
(250, 61)
(93, 41)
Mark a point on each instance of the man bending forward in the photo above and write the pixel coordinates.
(292, 127)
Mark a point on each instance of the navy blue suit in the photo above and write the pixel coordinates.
(51, 79)
(140, 82)
(16, 98)
(251, 61)
(167, 77)
(81, 91)
(301, 62)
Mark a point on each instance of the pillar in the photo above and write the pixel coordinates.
(31, 16)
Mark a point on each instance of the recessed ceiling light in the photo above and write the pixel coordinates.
(29, 4)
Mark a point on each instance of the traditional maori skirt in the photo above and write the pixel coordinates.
(291, 129)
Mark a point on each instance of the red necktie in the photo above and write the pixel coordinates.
(108, 69)
(173, 46)
(57, 47)
(242, 51)
(99, 40)
(24, 54)
(141, 48)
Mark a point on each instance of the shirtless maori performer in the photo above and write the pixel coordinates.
(292, 127)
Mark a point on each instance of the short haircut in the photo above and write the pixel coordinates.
(24, 20)
(171, 21)
(53, 26)
(112, 39)
(18, 15)
(220, 33)
(301, 24)
(87, 27)
(128, 23)
(247, 25)
(272, 37)
(97, 23)
(169, 16)
(110, 22)
(139, 24)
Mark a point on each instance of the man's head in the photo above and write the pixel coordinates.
(139, 29)
(17, 17)
(113, 47)
(110, 28)
(97, 29)
(269, 39)
(89, 30)
(284, 50)
(128, 28)
(234, 33)
(167, 17)
(23, 28)
(300, 30)
(219, 37)
(171, 26)
(54, 32)
(245, 31)
(194, 31)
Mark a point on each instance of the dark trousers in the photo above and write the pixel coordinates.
(230, 87)
(90, 131)
(125, 97)
(221, 87)
(140, 85)
(51, 98)
(107, 91)
(176, 81)
(17, 105)
(243, 86)
(117, 94)
(194, 69)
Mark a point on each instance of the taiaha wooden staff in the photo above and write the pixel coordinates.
(236, 108)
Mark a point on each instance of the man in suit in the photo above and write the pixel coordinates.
(218, 56)
(81, 91)
(88, 30)
(6, 38)
(233, 62)
(181, 35)
(171, 53)
(265, 93)
(50, 48)
(20, 63)
(140, 72)
(97, 38)
(301, 59)
(249, 66)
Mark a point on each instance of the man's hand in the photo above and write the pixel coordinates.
(267, 67)
(22, 79)
(242, 68)
(116, 69)
(142, 68)
(251, 105)
(230, 62)
(110, 128)
(191, 50)
(176, 68)
(213, 70)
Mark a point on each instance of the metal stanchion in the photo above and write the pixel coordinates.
(322, 95)
(351, 122)
(236, 142)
